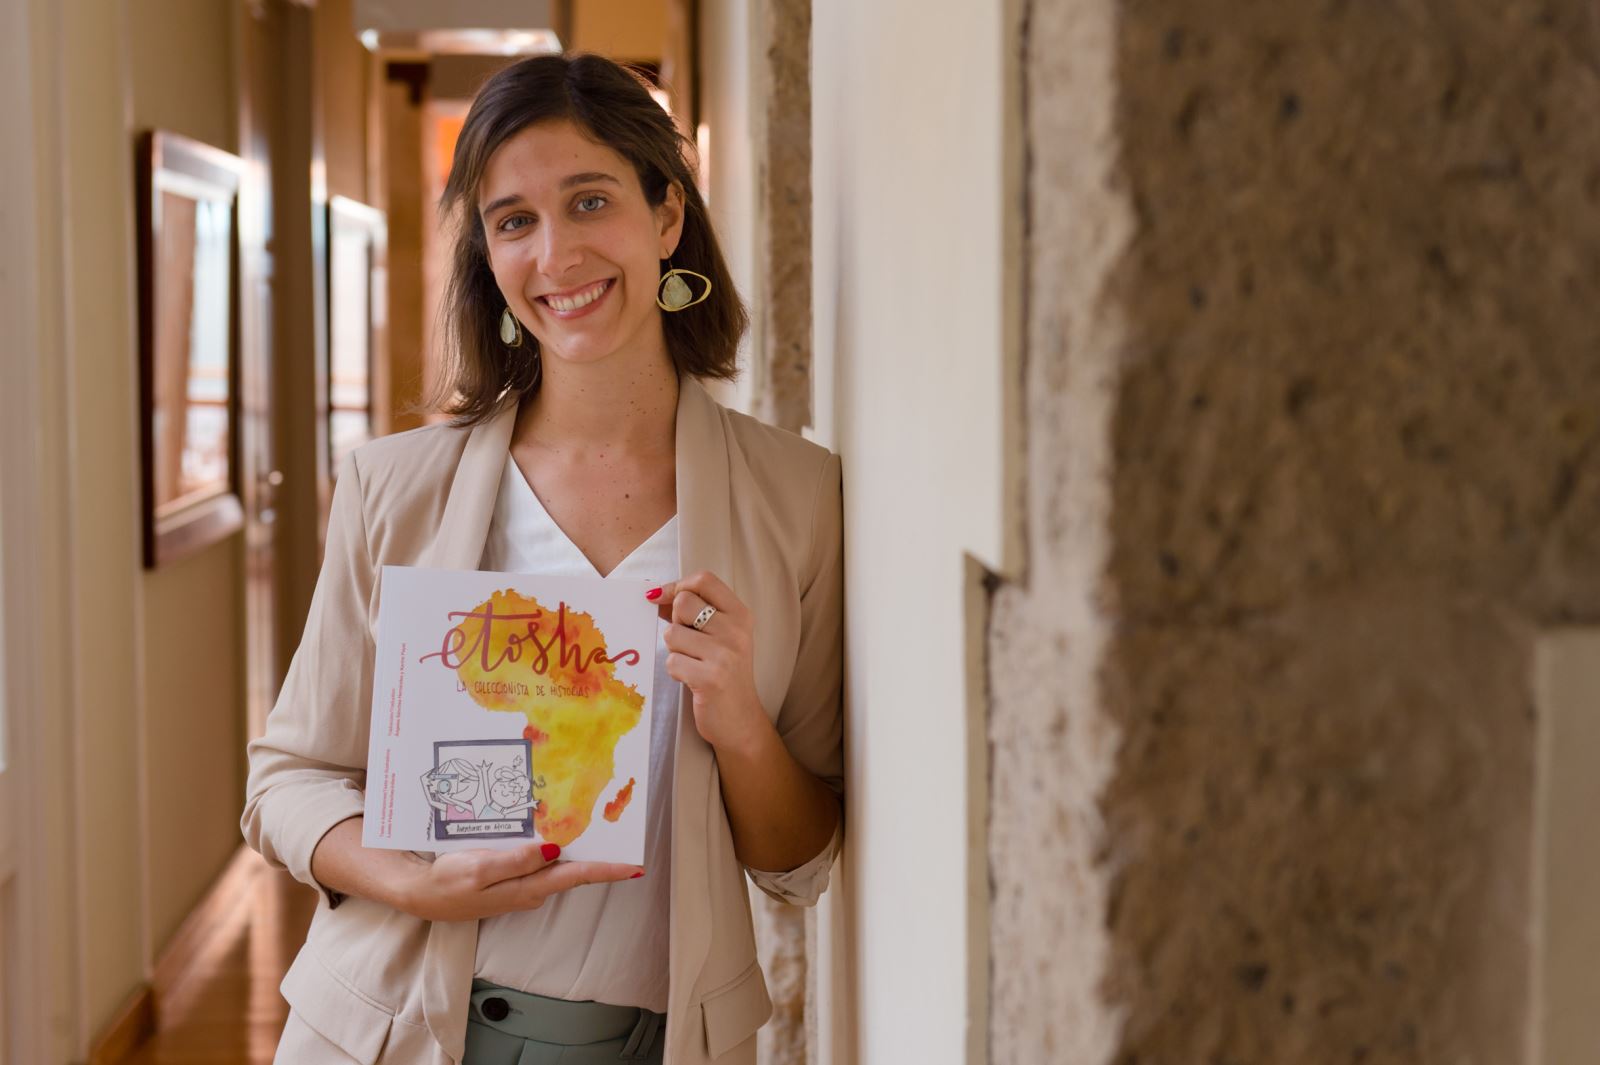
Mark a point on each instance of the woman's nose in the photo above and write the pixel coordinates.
(560, 252)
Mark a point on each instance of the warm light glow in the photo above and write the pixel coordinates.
(488, 42)
(463, 41)
(702, 145)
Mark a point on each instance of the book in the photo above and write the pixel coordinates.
(510, 709)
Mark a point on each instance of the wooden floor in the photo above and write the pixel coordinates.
(224, 1009)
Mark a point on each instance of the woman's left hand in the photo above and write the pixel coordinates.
(717, 662)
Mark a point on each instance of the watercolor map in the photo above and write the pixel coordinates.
(509, 709)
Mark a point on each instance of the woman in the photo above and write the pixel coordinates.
(583, 443)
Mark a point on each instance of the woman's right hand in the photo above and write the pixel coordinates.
(470, 884)
(457, 886)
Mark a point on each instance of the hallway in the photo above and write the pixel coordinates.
(1215, 395)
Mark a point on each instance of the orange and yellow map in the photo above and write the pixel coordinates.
(551, 666)
(510, 708)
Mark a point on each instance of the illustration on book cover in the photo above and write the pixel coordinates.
(520, 707)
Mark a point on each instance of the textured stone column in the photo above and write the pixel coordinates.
(1313, 411)
(781, 944)
(782, 308)
(781, 319)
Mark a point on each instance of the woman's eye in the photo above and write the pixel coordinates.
(506, 226)
(598, 200)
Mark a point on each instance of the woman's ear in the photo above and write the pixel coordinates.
(670, 218)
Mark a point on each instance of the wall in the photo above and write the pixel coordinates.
(344, 74)
(180, 73)
(65, 101)
(631, 30)
(129, 830)
(87, 785)
(1312, 419)
(909, 171)
(729, 169)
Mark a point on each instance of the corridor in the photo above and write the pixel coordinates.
(1132, 473)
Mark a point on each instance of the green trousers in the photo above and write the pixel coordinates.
(506, 1027)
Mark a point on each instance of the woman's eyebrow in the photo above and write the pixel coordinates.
(585, 178)
(504, 201)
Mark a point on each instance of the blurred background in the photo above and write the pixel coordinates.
(1218, 389)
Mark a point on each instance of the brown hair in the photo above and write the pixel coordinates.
(612, 105)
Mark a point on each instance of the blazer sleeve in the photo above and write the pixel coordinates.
(307, 771)
(811, 720)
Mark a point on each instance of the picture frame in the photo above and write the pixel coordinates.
(356, 265)
(188, 248)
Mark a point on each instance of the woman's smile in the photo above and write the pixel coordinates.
(578, 302)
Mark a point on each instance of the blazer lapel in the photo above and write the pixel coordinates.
(464, 526)
(705, 538)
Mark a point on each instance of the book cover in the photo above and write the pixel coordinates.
(511, 708)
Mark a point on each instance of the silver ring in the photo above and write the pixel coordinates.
(702, 619)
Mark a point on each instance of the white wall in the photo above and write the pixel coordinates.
(725, 87)
(910, 338)
(1566, 868)
(75, 392)
(191, 640)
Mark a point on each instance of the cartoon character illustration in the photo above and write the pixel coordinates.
(507, 793)
(450, 788)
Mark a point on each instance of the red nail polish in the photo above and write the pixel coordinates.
(654, 593)
(637, 875)
(550, 851)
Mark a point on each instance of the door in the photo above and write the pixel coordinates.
(262, 44)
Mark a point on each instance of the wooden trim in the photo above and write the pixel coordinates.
(206, 922)
(133, 1024)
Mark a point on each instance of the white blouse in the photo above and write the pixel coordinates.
(604, 942)
(598, 942)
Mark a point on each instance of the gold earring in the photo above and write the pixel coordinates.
(510, 329)
(673, 293)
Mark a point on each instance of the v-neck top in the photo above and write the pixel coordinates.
(599, 942)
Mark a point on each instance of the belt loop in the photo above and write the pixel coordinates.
(643, 1038)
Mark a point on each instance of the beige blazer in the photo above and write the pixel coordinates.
(758, 506)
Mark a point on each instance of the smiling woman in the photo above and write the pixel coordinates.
(563, 255)
(583, 445)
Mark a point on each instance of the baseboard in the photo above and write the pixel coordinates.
(206, 921)
(134, 1023)
(137, 1020)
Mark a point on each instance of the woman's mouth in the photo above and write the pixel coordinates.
(577, 304)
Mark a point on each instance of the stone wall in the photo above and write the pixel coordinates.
(781, 324)
(1313, 403)
(782, 309)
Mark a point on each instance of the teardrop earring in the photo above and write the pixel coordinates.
(510, 329)
(673, 294)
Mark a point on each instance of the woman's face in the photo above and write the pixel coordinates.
(574, 247)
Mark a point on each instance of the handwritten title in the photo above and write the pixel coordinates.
(465, 640)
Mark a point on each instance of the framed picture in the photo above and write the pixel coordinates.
(357, 248)
(188, 196)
